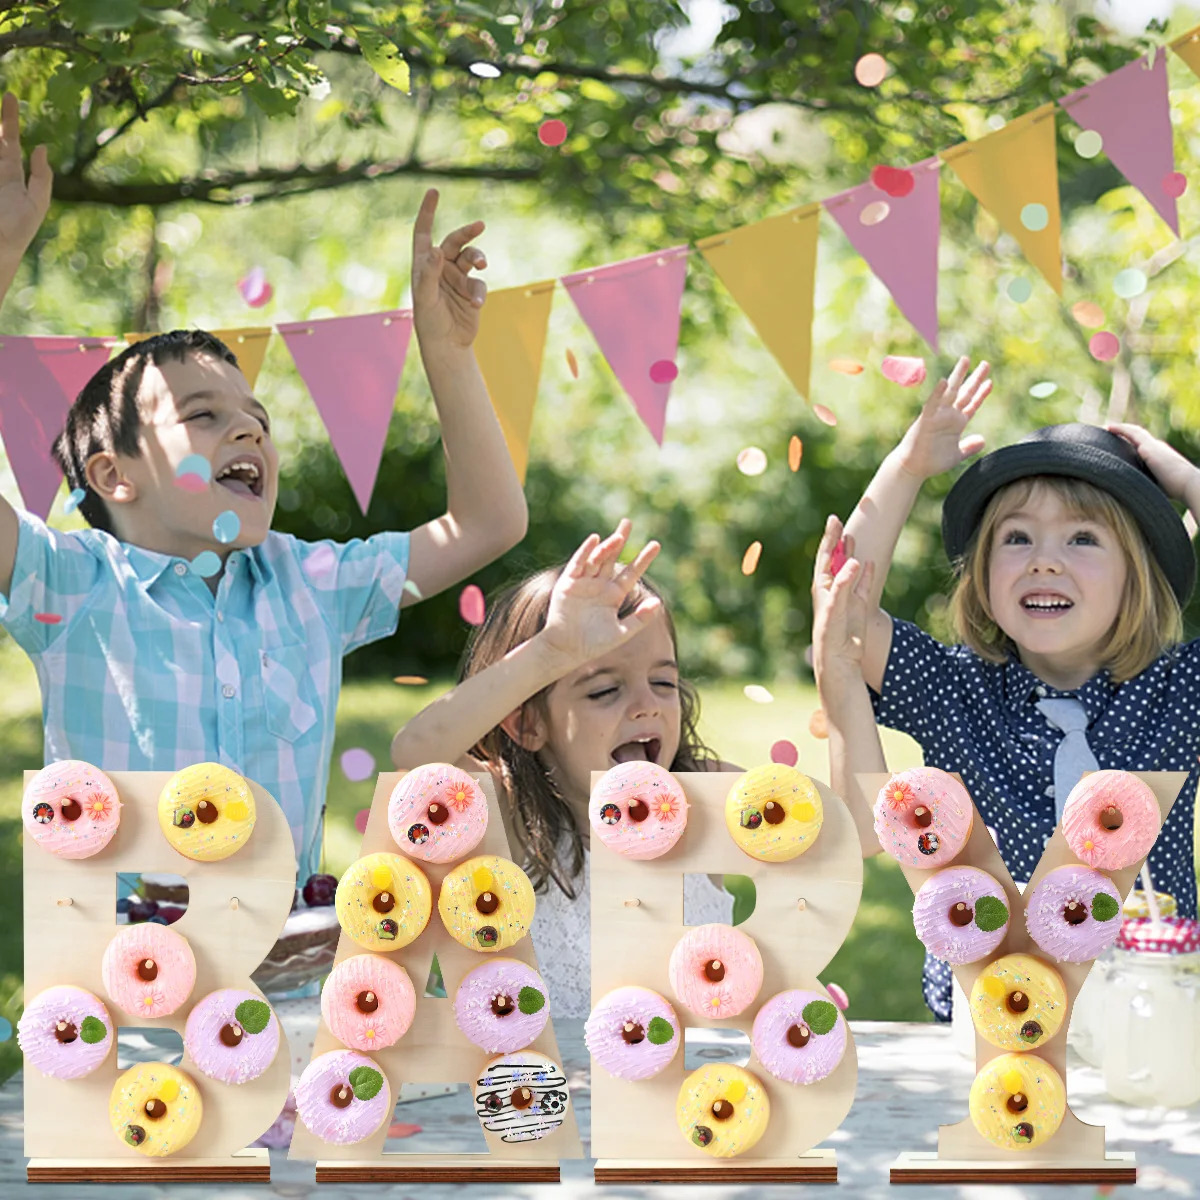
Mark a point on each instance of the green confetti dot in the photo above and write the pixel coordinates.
(1019, 290)
(1035, 217)
(1043, 391)
(1129, 283)
(1088, 144)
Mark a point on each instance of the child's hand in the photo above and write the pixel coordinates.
(934, 441)
(1177, 477)
(839, 612)
(446, 300)
(22, 207)
(582, 622)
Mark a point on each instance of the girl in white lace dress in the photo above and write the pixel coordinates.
(573, 670)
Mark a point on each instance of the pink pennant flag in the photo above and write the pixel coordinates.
(1130, 111)
(632, 309)
(39, 380)
(894, 222)
(352, 366)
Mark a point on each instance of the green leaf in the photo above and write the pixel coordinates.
(660, 1031)
(384, 58)
(990, 914)
(366, 1082)
(1104, 907)
(530, 1000)
(253, 1015)
(92, 1030)
(820, 1016)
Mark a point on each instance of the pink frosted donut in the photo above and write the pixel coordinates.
(232, 1035)
(638, 809)
(961, 914)
(343, 1097)
(65, 1032)
(148, 970)
(633, 1033)
(923, 817)
(1110, 820)
(501, 1005)
(1073, 914)
(437, 813)
(368, 1002)
(715, 971)
(71, 809)
(799, 1036)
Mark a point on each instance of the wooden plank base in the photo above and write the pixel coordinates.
(252, 1165)
(918, 1166)
(817, 1166)
(444, 1168)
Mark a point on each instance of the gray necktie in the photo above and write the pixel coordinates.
(1074, 756)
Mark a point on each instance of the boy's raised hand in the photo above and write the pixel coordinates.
(934, 442)
(22, 205)
(446, 299)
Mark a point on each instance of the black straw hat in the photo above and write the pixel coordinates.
(1080, 452)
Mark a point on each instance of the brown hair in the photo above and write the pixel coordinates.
(541, 816)
(1148, 620)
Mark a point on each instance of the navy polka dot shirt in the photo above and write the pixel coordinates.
(981, 720)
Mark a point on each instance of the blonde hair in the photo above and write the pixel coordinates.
(1148, 619)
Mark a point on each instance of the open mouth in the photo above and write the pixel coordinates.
(1046, 605)
(640, 750)
(243, 478)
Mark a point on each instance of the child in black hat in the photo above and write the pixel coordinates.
(1072, 567)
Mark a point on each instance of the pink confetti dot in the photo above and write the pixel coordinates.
(824, 414)
(838, 996)
(191, 483)
(785, 752)
(1175, 184)
(893, 181)
(552, 133)
(361, 818)
(255, 289)
(1104, 346)
(357, 764)
(871, 70)
(471, 606)
(907, 372)
(663, 371)
(47, 618)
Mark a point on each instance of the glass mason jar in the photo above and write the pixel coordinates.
(1086, 1030)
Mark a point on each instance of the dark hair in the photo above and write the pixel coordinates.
(541, 816)
(105, 416)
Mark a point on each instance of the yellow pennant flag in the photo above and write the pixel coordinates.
(1188, 48)
(508, 347)
(770, 269)
(249, 344)
(1013, 173)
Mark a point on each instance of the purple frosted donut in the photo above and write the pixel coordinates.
(501, 1005)
(1073, 914)
(65, 1032)
(715, 971)
(368, 1002)
(799, 1036)
(232, 1035)
(343, 1097)
(638, 809)
(148, 970)
(923, 817)
(961, 914)
(437, 813)
(71, 809)
(1111, 819)
(632, 1033)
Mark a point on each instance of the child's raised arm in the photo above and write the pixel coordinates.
(1177, 477)
(932, 444)
(582, 624)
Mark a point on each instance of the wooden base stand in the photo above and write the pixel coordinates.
(440, 1168)
(1118, 1166)
(817, 1166)
(252, 1165)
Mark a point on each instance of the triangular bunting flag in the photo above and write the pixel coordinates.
(1013, 173)
(770, 269)
(1188, 48)
(508, 347)
(249, 344)
(1130, 111)
(632, 309)
(896, 231)
(39, 380)
(352, 367)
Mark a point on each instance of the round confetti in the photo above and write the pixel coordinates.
(1104, 346)
(1174, 184)
(752, 461)
(785, 752)
(226, 526)
(1043, 391)
(191, 483)
(1088, 144)
(484, 70)
(74, 500)
(411, 680)
(871, 70)
(907, 372)
(411, 588)
(47, 618)
(362, 816)
(194, 464)
(5, 1029)
(758, 693)
(1019, 290)
(846, 366)
(893, 181)
(1035, 217)
(751, 557)
(1129, 283)
(470, 605)
(255, 289)
(572, 363)
(552, 133)
(357, 764)
(1088, 314)
(206, 564)
(838, 996)
(818, 725)
(663, 371)
(823, 414)
(795, 453)
(874, 213)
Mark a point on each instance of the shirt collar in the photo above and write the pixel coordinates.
(148, 565)
(1022, 687)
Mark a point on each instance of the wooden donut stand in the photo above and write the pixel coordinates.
(434, 1050)
(236, 909)
(1076, 1153)
(803, 911)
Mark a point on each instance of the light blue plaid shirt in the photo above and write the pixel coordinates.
(147, 670)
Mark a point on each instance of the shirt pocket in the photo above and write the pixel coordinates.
(288, 690)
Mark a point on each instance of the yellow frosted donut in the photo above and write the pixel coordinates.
(155, 1108)
(1018, 1002)
(774, 812)
(723, 1109)
(486, 903)
(383, 901)
(1017, 1101)
(206, 812)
